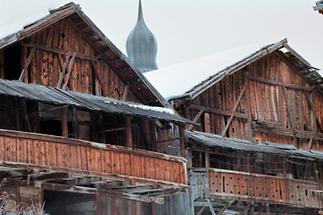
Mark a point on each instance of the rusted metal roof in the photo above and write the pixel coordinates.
(211, 140)
(57, 96)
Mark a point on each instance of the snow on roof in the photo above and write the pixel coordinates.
(22, 18)
(177, 80)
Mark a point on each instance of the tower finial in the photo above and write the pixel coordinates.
(140, 13)
(142, 45)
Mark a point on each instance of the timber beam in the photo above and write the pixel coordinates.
(276, 83)
(276, 130)
(67, 182)
(219, 111)
(61, 51)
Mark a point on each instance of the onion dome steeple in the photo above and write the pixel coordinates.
(141, 45)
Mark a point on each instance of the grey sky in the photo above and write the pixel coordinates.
(187, 29)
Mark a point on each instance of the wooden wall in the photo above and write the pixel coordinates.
(61, 56)
(277, 105)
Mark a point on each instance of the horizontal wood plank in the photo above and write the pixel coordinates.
(82, 157)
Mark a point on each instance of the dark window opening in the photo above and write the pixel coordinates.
(57, 203)
(302, 169)
(222, 162)
(12, 62)
(111, 129)
(198, 159)
(52, 127)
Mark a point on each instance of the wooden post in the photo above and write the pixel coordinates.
(26, 115)
(196, 119)
(182, 141)
(207, 123)
(64, 122)
(207, 159)
(235, 107)
(125, 93)
(267, 209)
(249, 133)
(27, 63)
(69, 71)
(75, 123)
(129, 142)
(95, 79)
(63, 67)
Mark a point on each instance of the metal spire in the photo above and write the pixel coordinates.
(141, 45)
(140, 13)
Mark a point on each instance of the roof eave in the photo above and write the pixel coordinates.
(197, 90)
(63, 12)
(232, 69)
(124, 58)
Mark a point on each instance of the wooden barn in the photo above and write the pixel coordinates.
(259, 146)
(81, 131)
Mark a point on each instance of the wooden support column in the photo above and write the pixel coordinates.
(267, 209)
(249, 133)
(26, 115)
(75, 123)
(125, 93)
(69, 71)
(196, 119)
(63, 67)
(287, 107)
(211, 207)
(64, 122)
(207, 159)
(129, 141)
(235, 107)
(96, 79)
(207, 123)
(314, 119)
(200, 212)
(182, 141)
(221, 212)
(26, 65)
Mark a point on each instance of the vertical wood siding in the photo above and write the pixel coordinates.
(266, 103)
(45, 65)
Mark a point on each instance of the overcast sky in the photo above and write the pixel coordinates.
(187, 29)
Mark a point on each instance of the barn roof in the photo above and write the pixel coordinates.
(190, 79)
(103, 46)
(56, 96)
(216, 141)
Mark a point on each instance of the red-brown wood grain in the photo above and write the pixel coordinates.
(276, 190)
(63, 154)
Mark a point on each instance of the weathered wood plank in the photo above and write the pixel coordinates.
(234, 109)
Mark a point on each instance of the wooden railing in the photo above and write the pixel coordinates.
(83, 157)
(271, 189)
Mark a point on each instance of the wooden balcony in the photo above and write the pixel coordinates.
(44, 152)
(242, 186)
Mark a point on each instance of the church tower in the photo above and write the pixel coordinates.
(142, 45)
